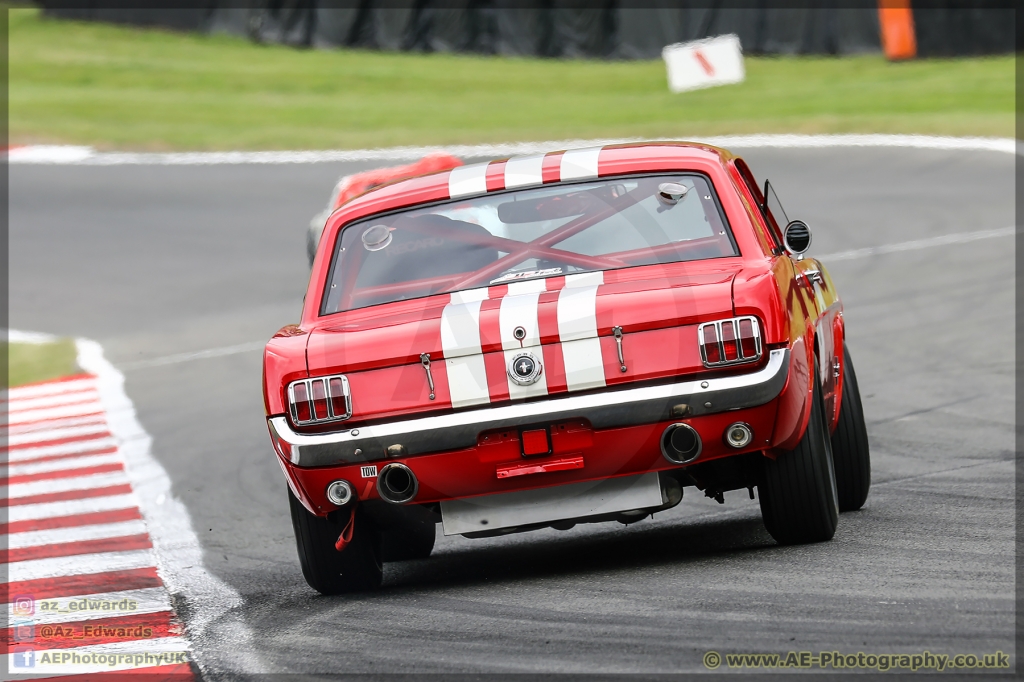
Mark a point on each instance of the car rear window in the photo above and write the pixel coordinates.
(512, 236)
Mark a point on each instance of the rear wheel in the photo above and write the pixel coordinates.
(328, 571)
(797, 491)
(850, 444)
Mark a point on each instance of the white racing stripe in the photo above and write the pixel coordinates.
(584, 279)
(460, 329)
(528, 287)
(460, 344)
(577, 313)
(54, 536)
(68, 464)
(467, 380)
(579, 164)
(81, 564)
(577, 330)
(96, 659)
(523, 171)
(467, 180)
(88, 505)
(519, 309)
(59, 485)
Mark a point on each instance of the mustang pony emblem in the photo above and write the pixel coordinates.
(524, 368)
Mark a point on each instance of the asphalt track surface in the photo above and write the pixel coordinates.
(156, 261)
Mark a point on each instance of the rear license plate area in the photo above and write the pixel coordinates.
(544, 505)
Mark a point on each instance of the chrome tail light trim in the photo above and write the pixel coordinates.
(733, 324)
(333, 388)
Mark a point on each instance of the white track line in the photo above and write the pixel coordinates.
(82, 447)
(42, 402)
(51, 388)
(105, 605)
(209, 601)
(88, 505)
(87, 156)
(68, 464)
(917, 244)
(55, 430)
(196, 355)
(82, 564)
(16, 336)
(60, 485)
(55, 536)
(30, 416)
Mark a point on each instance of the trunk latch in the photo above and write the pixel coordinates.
(617, 332)
(425, 361)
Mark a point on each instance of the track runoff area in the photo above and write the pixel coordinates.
(95, 542)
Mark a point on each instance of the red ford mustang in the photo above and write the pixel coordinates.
(557, 339)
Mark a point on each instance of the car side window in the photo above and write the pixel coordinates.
(773, 234)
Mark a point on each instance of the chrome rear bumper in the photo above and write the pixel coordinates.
(604, 410)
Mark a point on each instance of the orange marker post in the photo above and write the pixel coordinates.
(896, 23)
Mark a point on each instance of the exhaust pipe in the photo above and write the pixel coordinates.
(680, 443)
(396, 483)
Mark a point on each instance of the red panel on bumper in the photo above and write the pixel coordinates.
(607, 453)
(540, 467)
(535, 442)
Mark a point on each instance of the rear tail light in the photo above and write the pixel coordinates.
(710, 351)
(320, 400)
(730, 342)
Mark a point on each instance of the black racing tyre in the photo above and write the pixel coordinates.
(413, 541)
(850, 444)
(797, 491)
(328, 571)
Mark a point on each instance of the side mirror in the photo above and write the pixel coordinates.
(797, 237)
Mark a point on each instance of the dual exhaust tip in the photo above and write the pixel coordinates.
(681, 444)
(395, 484)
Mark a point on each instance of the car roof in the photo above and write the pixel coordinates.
(535, 170)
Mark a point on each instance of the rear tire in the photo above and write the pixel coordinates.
(797, 492)
(328, 571)
(407, 530)
(850, 444)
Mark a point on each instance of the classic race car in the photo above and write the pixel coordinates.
(558, 339)
(351, 186)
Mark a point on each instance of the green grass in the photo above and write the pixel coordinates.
(28, 363)
(123, 88)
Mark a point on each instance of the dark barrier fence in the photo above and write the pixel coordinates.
(615, 29)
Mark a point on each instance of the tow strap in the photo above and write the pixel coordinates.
(346, 534)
